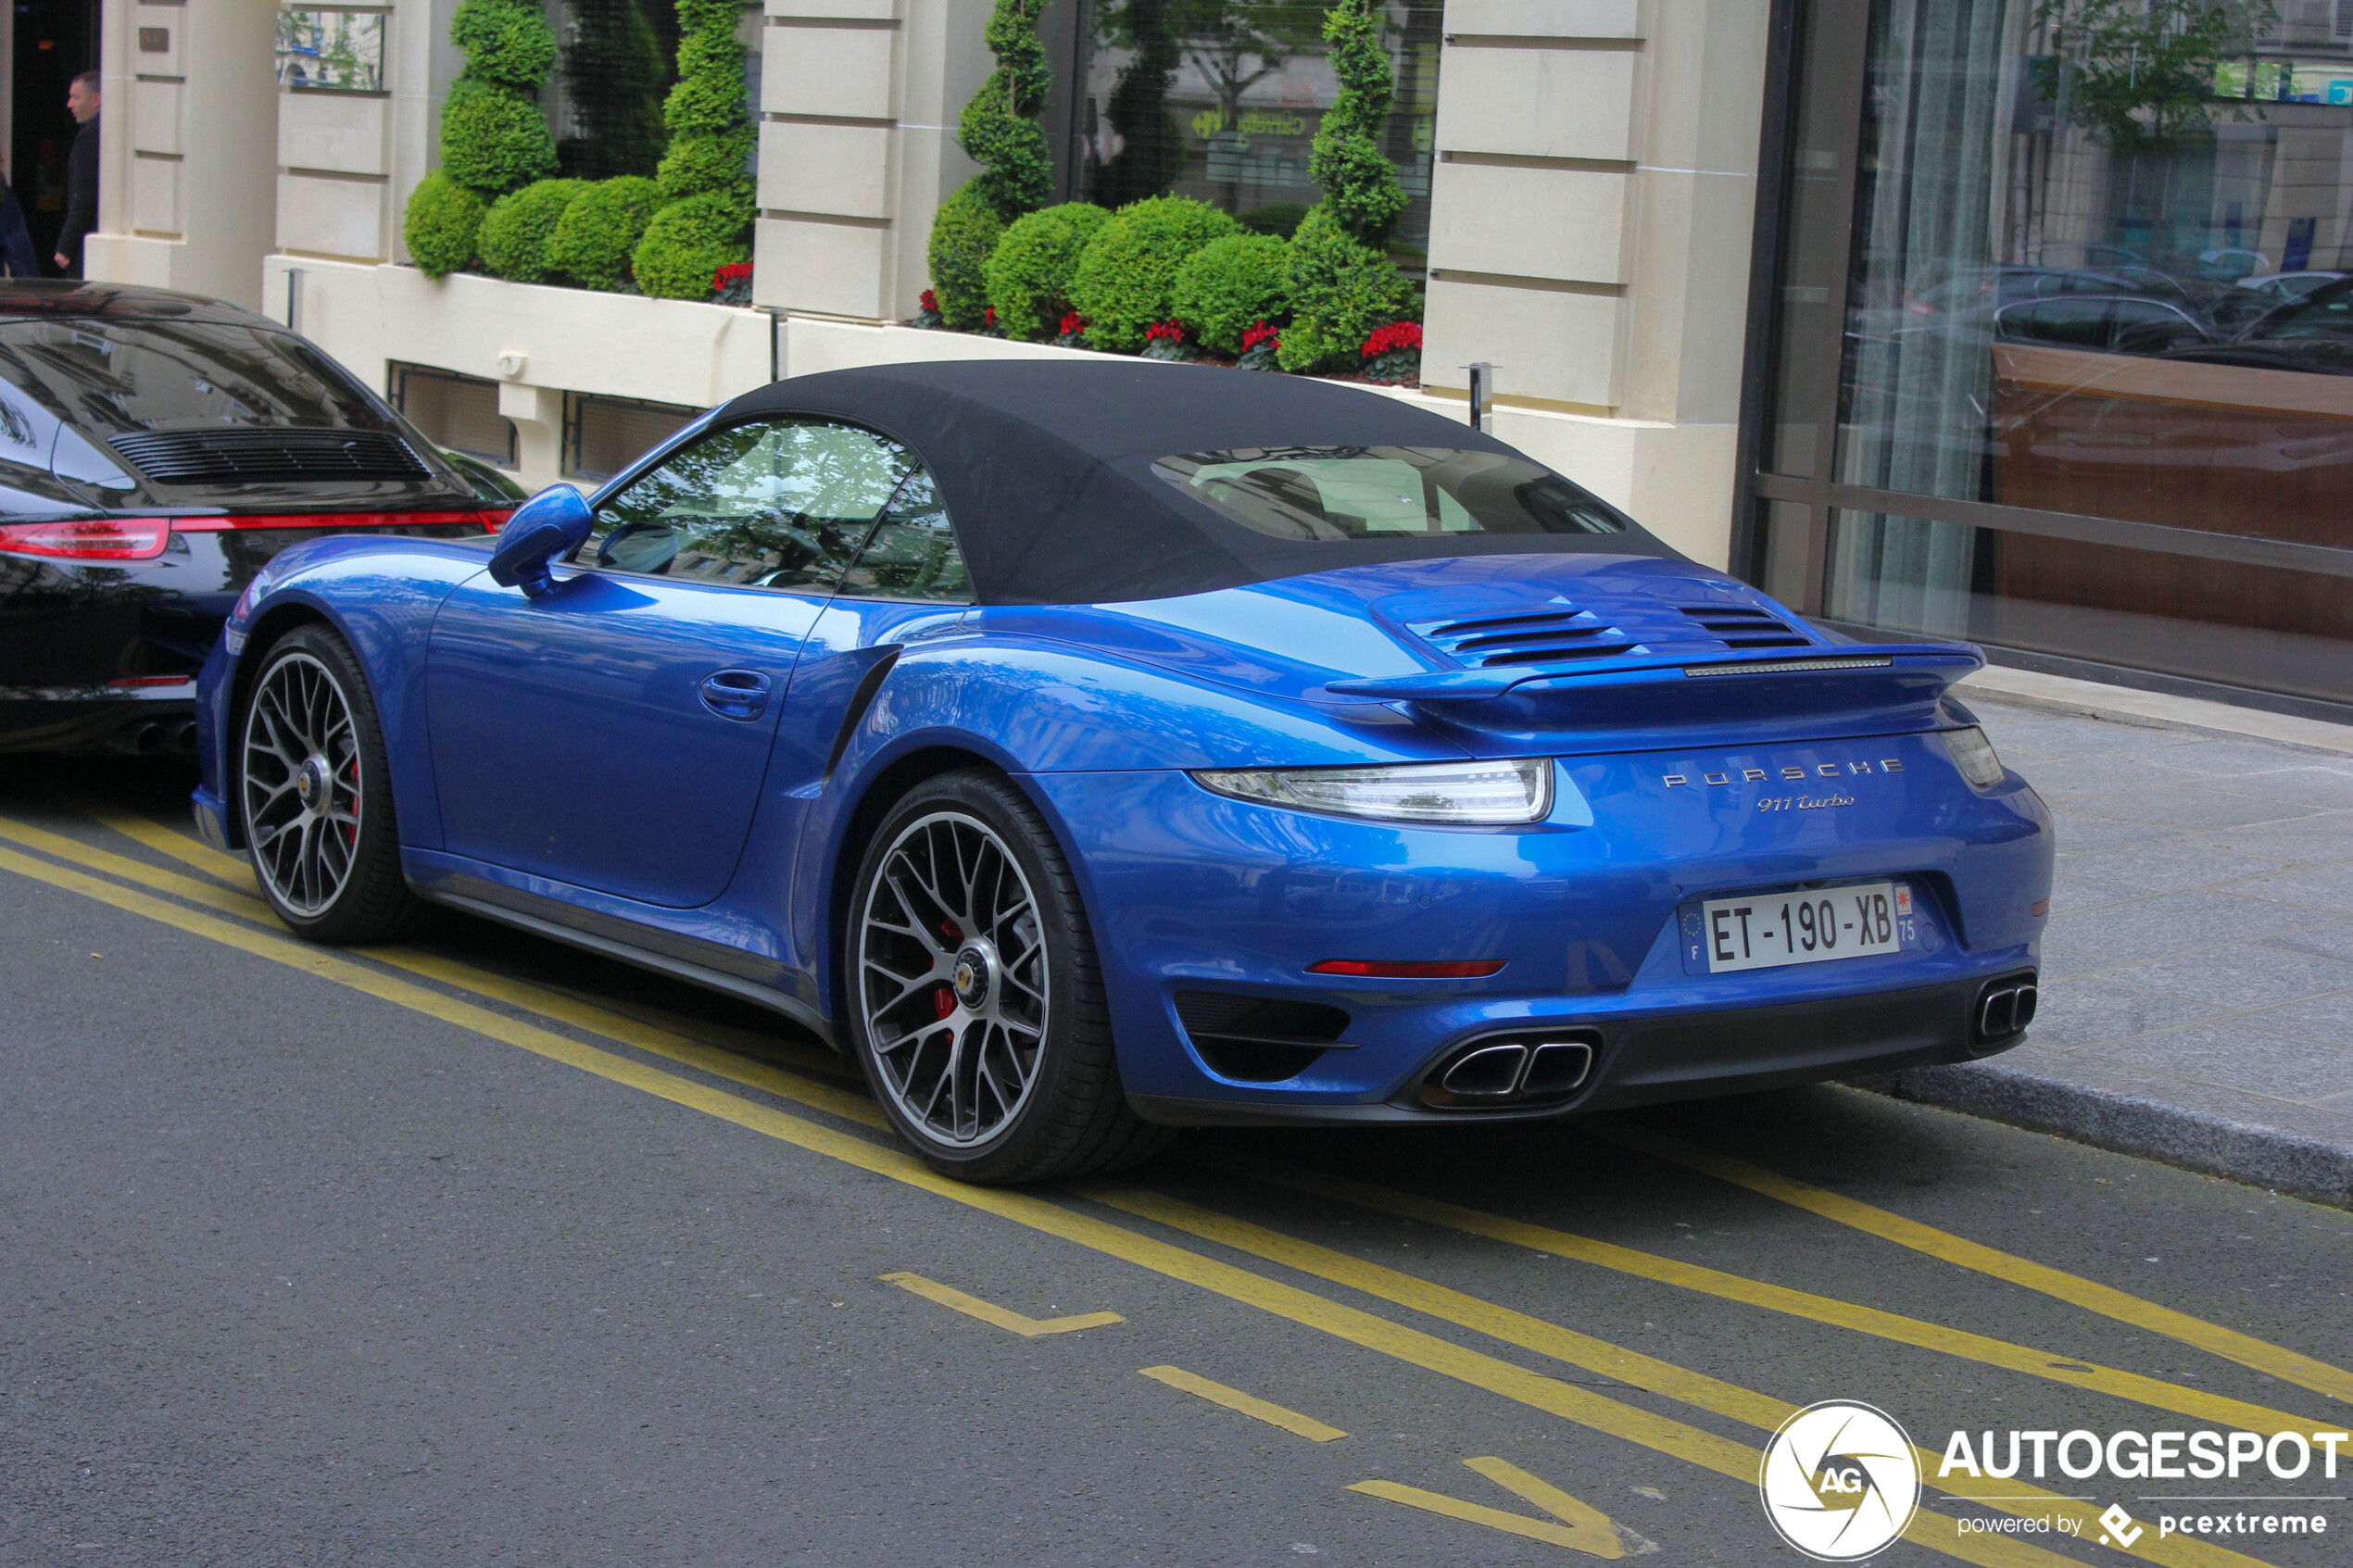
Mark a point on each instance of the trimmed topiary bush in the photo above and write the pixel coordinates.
(703, 172)
(687, 242)
(1029, 272)
(516, 232)
(998, 128)
(599, 230)
(1229, 284)
(493, 136)
(1359, 183)
(963, 235)
(1126, 277)
(443, 218)
(1340, 290)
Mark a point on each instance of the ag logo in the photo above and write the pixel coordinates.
(1840, 1481)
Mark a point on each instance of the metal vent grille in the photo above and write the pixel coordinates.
(1563, 636)
(243, 457)
(1738, 626)
(1784, 666)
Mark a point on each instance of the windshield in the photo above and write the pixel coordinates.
(1332, 493)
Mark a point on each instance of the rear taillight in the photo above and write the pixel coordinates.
(114, 538)
(356, 521)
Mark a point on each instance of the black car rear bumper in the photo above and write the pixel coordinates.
(140, 721)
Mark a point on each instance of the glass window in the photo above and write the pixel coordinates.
(778, 504)
(912, 553)
(604, 436)
(1220, 100)
(2093, 257)
(1381, 492)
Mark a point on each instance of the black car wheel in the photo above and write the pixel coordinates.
(315, 792)
(976, 1004)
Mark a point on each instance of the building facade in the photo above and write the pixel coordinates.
(2009, 319)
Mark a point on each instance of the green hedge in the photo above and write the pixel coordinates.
(516, 232)
(704, 174)
(999, 127)
(1126, 277)
(443, 218)
(505, 43)
(1229, 285)
(963, 235)
(494, 138)
(593, 239)
(1029, 272)
(687, 242)
(1340, 290)
(1361, 190)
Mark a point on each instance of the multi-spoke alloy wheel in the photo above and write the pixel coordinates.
(953, 977)
(303, 793)
(317, 817)
(976, 1004)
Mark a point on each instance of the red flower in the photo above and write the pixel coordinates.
(989, 315)
(1396, 335)
(1073, 324)
(730, 273)
(930, 302)
(1258, 333)
(1170, 332)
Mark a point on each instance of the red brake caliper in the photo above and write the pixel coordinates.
(943, 1001)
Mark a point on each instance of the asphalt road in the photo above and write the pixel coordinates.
(485, 1252)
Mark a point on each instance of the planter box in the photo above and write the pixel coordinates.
(540, 342)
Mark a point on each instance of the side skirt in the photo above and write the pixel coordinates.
(751, 991)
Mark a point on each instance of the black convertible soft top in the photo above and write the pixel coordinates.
(1046, 470)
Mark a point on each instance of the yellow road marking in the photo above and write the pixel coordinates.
(2149, 1391)
(185, 848)
(994, 1315)
(1664, 1434)
(188, 887)
(1248, 1404)
(2106, 1300)
(1697, 1390)
(1581, 1527)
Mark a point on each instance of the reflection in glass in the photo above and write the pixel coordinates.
(2101, 265)
(781, 504)
(1221, 99)
(1333, 493)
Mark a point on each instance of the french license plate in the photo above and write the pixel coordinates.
(1769, 930)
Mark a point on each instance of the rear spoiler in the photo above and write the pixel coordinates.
(1854, 687)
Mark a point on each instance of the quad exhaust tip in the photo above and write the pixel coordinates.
(2005, 1007)
(1526, 1067)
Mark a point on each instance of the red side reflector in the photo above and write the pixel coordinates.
(489, 520)
(1378, 969)
(113, 538)
(154, 681)
(2039, 908)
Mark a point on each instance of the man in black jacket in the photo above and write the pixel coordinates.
(82, 174)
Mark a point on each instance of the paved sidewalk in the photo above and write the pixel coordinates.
(2197, 979)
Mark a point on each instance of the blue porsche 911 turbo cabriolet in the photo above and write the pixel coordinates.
(1090, 751)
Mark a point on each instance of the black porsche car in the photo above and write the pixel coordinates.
(156, 450)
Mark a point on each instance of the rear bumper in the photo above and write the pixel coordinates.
(144, 721)
(1648, 1061)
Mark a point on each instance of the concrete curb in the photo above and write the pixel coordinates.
(2309, 1166)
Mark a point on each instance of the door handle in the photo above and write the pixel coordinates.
(736, 693)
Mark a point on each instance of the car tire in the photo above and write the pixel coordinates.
(314, 795)
(974, 1002)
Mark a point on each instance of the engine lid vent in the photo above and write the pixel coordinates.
(268, 455)
(1741, 626)
(1564, 636)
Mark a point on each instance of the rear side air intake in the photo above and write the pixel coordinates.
(1259, 1039)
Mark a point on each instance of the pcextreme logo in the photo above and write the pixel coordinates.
(1839, 1481)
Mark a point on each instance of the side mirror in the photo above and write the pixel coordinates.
(551, 523)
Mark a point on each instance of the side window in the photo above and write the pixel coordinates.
(912, 554)
(779, 504)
